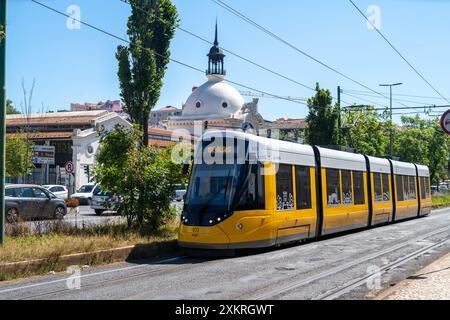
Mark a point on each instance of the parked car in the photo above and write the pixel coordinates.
(443, 188)
(57, 190)
(434, 189)
(85, 193)
(31, 202)
(180, 191)
(103, 201)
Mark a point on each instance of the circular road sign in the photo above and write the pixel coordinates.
(69, 166)
(445, 122)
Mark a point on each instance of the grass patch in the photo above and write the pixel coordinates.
(441, 201)
(61, 239)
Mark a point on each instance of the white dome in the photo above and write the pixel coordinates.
(214, 97)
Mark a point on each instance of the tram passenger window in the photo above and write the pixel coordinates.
(347, 193)
(399, 183)
(252, 195)
(358, 187)
(423, 188)
(385, 182)
(285, 193)
(412, 187)
(427, 184)
(303, 185)
(333, 187)
(377, 187)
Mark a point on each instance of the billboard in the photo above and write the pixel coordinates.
(43, 154)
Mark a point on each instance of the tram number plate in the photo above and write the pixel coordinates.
(195, 231)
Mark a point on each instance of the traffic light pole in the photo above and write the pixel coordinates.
(2, 118)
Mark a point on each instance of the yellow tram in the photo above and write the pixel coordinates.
(247, 191)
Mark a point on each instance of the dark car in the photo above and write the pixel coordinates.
(26, 202)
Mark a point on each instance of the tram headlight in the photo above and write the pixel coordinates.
(239, 226)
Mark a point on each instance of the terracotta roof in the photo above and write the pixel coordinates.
(168, 108)
(282, 120)
(56, 118)
(45, 135)
(167, 133)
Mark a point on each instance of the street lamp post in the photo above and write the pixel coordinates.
(391, 131)
(2, 118)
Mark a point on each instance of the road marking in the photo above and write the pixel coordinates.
(89, 275)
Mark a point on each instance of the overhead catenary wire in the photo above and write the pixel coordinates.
(156, 53)
(273, 35)
(398, 52)
(349, 92)
(239, 56)
(398, 94)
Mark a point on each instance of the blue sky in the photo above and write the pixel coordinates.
(80, 66)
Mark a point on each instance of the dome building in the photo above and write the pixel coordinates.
(216, 104)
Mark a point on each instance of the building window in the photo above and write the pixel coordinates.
(399, 183)
(198, 104)
(285, 196)
(377, 187)
(333, 187)
(224, 105)
(358, 187)
(347, 194)
(385, 182)
(303, 186)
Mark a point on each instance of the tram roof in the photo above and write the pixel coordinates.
(331, 158)
(404, 168)
(379, 165)
(273, 150)
(423, 170)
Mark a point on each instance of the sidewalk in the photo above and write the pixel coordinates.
(430, 283)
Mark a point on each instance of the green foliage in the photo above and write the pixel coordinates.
(18, 155)
(424, 142)
(366, 130)
(321, 122)
(142, 64)
(10, 108)
(143, 177)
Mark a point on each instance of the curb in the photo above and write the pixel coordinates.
(129, 253)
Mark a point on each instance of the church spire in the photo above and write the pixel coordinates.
(216, 42)
(216, 56)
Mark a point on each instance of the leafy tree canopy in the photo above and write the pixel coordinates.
(142, 64)
(321, 122)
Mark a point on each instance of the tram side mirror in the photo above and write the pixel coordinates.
(185, 169)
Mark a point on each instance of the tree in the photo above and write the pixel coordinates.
(321, 122)
(143, 177)
(366, 131)
(424, 142)
(17, 160)
(142, 64)
(10, 109)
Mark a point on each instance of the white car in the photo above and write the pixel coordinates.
(59, 191)
(180, 191)
(85, 193)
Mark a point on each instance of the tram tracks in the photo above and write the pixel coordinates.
(283, 290)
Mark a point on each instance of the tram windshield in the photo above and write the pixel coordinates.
(216, 190)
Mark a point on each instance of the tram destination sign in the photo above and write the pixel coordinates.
(43, 154)
(445, 122)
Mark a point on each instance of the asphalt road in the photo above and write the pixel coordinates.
(87, 216)
(353, 266)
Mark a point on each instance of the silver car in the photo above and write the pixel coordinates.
(25, 202)
(103, 201)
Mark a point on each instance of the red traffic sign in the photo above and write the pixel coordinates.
(445, 122)
(69, 166)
